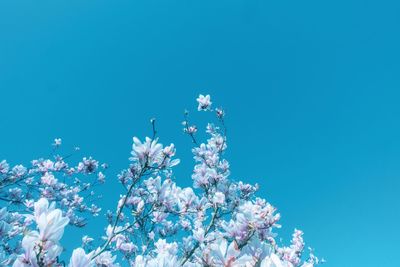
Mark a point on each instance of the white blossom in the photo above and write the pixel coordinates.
(79, 258)
(217, 221)
(204, 102)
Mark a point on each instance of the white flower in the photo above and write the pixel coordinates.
(127, 247)
(140, 206)
(50, 221)
(139, 261)
(80, 259)
(101, 177)
(165, 256)
(273, 261)
(220, 254)
(149, 152)
(105, 259)
(29, 203)
(57, 142)
(219, 198)
(163, 260)
(29, 257)
(204, 102)
(33, 245)
(19, 170)
(198, 234)
(48, 179)
(163, 247)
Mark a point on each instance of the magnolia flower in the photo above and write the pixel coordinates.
(165, 256)
(19, 170)
(198, 234)
(29, 257)
(88, 165)
(50, 221)
(57, 142)
(105, 259)
(220, 113)
(127, 247)
(140, 206)
(204, 102)
(37, 250)
(220, 254)
(101, 177)
(48, 179)
(148, 152)
(80, 259)
(191, 129)
(163, 247)
(219, 198)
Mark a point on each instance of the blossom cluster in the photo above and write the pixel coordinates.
(69, 186)
(156, 223)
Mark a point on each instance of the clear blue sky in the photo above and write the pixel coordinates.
(311, 89)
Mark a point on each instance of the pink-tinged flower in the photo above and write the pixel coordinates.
(148, 152)
(127, 247)
(191, 129)
(220, 113)
(80, 259)
(292, 254)
(220, 254)
(88, 165)
(48, 179)
(105, 259)
(50, 221)
(37, 251)
(140, 206)
(29, 203)
(204, 102)
(29, 257)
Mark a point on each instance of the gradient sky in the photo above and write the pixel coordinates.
(311, 90)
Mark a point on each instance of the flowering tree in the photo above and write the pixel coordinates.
(218, 222)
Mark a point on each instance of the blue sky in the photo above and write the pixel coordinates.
(311, 89)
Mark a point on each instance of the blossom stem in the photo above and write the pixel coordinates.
(212, 222)
(113, 234)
